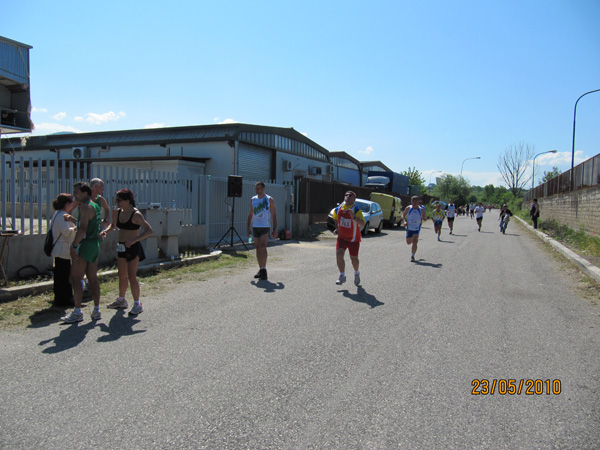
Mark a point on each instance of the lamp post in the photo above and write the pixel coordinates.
(437, 171)
(463, 163)
(573, 147)
(533, 171)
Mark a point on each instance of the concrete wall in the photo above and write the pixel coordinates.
(580, 210)
(25, 250)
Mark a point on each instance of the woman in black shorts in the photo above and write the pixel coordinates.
(128, 219)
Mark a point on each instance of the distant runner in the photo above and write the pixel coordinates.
(479, 210)
(438, 219)
(451, 213)
(414, 216)
(349, 220)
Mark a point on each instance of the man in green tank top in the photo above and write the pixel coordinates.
(85, 251)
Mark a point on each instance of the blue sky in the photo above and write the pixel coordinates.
(414, 84)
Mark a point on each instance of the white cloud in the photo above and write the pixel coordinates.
(59, 116)
(98, 119)
(50, 128)
(560, 159)
(228, 121)
(34, 109)
(155, 125)
(484, 178)
(366, 151)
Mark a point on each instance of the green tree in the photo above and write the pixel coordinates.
(489, 194)
(548, 175)
(414, 177)
(451, 187)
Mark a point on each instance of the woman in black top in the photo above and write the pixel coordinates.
(128, 219)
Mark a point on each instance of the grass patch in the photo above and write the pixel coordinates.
(580, 240)
(37, 310)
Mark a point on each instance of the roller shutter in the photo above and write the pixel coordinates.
(255, 163)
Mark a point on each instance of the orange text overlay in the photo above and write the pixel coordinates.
(515, 387)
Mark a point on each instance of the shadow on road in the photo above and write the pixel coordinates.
(69, 337)
(119, 326)
(268, 286)
(362, 296)
(420, 262)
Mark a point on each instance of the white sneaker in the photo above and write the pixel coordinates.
(341, 279)
(356, 279)
(96, 315)
(72, 318)
(119, 304)
(136, 309)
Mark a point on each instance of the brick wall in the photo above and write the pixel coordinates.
(580, 210)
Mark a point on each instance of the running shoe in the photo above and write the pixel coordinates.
(72, 318)
(96, 314)
(119, 304)
(136, 309)
(258, 274)
(341, 279)
(356, 279)
(412, 258)
(439, 238)
(263, 274)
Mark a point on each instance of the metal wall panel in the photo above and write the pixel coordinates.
(255, 163)
(14, 61)
(4, 97)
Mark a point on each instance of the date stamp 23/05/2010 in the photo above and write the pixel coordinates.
(512, 386)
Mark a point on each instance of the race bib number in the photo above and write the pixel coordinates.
(345, 222)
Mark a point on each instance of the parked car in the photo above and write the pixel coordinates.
(391, 207)
(371, 211)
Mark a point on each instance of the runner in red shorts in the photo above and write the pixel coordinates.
(349, 220)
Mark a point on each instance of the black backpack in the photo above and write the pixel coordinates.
(49, 243)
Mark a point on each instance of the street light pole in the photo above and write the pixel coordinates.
(533, 171)
(573, 147)
(437, 171)
(463, 163)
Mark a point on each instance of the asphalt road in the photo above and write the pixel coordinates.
(301, 363)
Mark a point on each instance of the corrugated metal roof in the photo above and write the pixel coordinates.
(171, 135)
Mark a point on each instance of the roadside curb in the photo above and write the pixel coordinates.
(587, 267)
(38, 288)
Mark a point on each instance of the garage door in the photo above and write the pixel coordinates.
(255, 163)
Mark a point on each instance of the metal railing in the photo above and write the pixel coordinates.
(586, 174)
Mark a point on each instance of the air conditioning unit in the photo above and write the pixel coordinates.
(330, 170)
(315, 170)
(81, 153)
(287, 165)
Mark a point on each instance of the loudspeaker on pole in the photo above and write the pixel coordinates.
(234, 186)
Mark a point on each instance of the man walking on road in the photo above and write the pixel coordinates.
(413, 216)
(349, 220)
(260, 218)
(84, 252)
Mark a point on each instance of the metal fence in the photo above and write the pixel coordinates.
(28, 187)
(586, 174)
